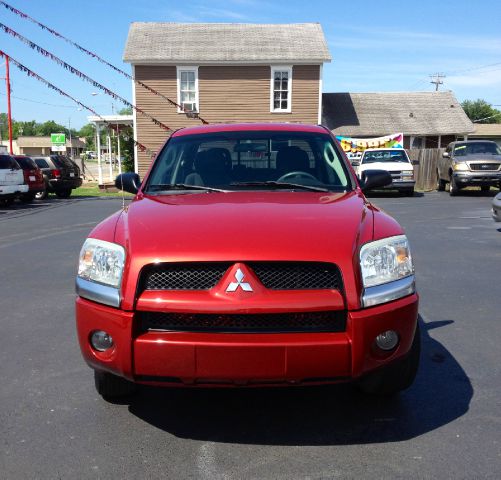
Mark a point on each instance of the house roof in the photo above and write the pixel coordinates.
(46, 142)
(214, 43)
(377, 114)
(487, 130)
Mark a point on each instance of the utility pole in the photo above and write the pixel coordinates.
(9, 114)
(437, 80)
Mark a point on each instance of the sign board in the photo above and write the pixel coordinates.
(58, 138)
(354, 147)
(58, 148)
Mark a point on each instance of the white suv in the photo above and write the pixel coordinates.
(11, 180)
(395, 161)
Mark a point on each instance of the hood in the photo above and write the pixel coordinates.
(479, 157)
(388, 166)
(246, 226)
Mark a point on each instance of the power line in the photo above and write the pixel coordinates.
(437, 80)
(35, 101)
(100, 59)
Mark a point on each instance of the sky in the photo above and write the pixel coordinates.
(385, 45)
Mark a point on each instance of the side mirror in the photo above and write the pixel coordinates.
(129, 182)
(415, 162)
(445, 155)
(355, 163)
(375, 179)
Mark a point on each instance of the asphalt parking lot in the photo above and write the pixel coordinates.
(447, 425)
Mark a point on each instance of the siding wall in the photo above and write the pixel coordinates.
(226, 94)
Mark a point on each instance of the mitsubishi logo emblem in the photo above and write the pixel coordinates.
(233, 286)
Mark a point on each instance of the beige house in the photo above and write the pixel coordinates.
(43, 146)
(224, 73)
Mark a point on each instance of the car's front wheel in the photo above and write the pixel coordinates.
(110, 386)
(453, 187)
(397, 376)
(440, 183)
(485, 188)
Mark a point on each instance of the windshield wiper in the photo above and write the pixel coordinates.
(275, 184)
(182, 186)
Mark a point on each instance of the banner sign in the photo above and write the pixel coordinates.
(58, 148)
(354, 147)
(58, 138)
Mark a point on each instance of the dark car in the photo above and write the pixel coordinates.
(470, 163)
(33, 177)
(61, 175)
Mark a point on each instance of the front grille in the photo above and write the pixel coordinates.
(330, 321)
(183, 276)
(298, 275)
(484, 166)
(273, 275)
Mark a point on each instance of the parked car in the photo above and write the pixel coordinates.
(470, 163)
(496, 207)
(33, 177)
(12, 183)
(393, 160)
(61, 175)
(249, 256)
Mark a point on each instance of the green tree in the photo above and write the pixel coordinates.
(480, 111)
(125, 111)
(88, 131)
(46, 128)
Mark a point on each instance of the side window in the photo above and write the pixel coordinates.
(187, 88)
(281, 90)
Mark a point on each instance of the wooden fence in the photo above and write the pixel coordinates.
(426, 172)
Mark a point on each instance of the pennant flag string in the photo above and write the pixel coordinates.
(80, 74)
(98, 58)
(32, 74)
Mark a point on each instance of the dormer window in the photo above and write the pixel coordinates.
(281, 89)
(187, 88)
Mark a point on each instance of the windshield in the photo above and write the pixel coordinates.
(476, 148)
(385, 156)
(244, 160)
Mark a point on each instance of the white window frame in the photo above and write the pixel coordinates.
(187, 69)
(281, 68)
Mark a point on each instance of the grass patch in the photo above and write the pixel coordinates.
(93, 190)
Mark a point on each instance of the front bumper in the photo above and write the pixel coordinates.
(229, 359)
(63, 184)
(477, 178)
(398, 184)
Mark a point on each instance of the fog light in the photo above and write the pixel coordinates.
(101, 341)
(387, 340)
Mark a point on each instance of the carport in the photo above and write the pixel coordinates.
(111, 123)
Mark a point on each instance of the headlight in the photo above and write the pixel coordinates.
(101, 262)
(460, 166)
(385, 261)
(408, 173)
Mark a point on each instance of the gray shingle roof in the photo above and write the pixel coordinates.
(413, 113)
(46, 142)
(225, 42)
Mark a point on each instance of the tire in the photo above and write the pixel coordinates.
(110, 386)
(408, 192)
(27, 197)
(453, 188)
(485, 188)
(6, 202)
(63, 193)
(440, 183)
(42, 195)
(395, 377)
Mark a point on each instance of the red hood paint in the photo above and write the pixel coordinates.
(245, 226)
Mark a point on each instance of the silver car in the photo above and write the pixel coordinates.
(496, 207)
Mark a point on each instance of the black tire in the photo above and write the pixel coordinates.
(27, 197)
(42, 195)
(485, 188)
(395, 377)
(110, 386)
(453, 187)
(63, 193)
(408, 192)
(440, 183)
(6, 202)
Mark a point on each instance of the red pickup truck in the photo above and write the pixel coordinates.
(249, 256)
